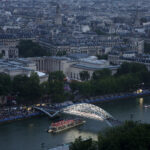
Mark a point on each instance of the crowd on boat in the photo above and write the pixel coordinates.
(62, 123)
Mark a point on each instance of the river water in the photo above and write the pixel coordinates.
(31, 133)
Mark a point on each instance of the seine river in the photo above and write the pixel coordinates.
(31, 133)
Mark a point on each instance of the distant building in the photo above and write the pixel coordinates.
(137, 44)
(72, 67)
(8, 51)
(20, 66)
(130, 57)
(58, 17)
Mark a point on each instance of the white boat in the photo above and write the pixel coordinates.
(64, 125)
(147, 106)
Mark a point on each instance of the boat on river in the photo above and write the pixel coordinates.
(147, 106)
(64, 125)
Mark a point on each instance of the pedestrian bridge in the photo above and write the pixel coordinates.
(84, 110)
(46, 112)
(87, 110)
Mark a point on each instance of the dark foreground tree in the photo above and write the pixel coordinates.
(80, 144)
(130, 136)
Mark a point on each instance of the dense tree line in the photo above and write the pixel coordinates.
(29, 90)
(80, 144)
(129, 76)
(27, 48)
(130, 136)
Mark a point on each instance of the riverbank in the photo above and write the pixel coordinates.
(106, 98)
(116, 97)
(90, 100)
(19, 117)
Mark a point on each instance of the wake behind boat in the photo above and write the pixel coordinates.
(64, 125)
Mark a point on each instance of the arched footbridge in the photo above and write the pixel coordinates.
(85, 110)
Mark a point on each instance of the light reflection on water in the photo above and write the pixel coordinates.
(29, 134)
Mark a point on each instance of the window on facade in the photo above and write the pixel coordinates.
(74, 75)
(3, 52)
(71, 74)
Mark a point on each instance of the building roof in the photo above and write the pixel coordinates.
(91, 67)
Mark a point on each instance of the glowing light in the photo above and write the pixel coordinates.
(141, 101)
(29, 108)
(37, 104)
(139, 91)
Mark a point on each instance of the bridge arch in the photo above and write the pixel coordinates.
(84, 110)
(88, 111)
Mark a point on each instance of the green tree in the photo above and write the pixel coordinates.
(57, 75)
(56, 86)
(28, 89)
(99, 74)
(145, 78)
(57, 91)
(45, 87)
(126, 68)
(27, 48)
(5, 84)
(18, 84)
(84, 75)
(75, 86)
(33, 91)
(80, 144)
(130, 136)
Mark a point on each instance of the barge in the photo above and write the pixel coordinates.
(64, 125)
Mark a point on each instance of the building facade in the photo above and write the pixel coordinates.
(72, 67)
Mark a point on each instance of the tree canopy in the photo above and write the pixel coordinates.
(5, 84)
(84, 75)
(27, 89)
(98, 74)
(126, 68)
(56, 86)
(129, 77)
(27, 48)
(129, 136)
(57, 75)
(80, 144)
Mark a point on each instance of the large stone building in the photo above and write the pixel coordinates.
(20, 66)
(118, 59)
(8, 51)
(72, 67)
